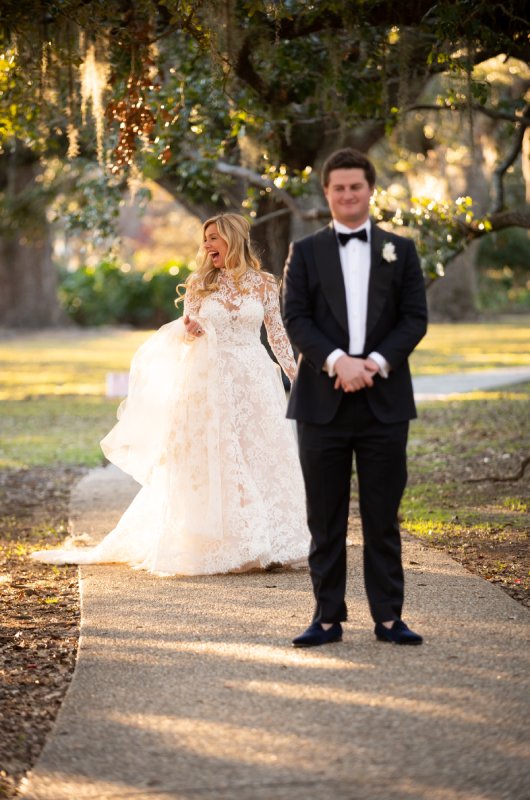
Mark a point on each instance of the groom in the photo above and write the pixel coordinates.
(355, 307)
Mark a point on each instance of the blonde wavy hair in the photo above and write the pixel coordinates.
(235, 231)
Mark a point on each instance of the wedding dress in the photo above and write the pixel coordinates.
(203, 429)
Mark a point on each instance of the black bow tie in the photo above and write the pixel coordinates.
(344, 238)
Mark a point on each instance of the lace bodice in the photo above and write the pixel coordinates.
(237, 312)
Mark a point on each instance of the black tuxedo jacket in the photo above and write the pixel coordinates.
(315, 316)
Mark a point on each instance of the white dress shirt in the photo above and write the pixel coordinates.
(355, 263)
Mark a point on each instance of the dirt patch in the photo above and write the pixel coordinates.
(39, 608)
(500, 555)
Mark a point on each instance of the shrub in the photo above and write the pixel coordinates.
(110, 294)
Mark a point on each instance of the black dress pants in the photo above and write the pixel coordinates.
(326, 454)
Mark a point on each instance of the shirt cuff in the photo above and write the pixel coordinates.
(382, 363)
(331, 360)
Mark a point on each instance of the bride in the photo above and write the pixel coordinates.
(203, 429)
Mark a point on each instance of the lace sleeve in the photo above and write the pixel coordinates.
(280, 345)
(192, 303)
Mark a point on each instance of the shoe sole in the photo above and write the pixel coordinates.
(389, 641)
(317, 644)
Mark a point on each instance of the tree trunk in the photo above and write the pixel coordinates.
(28, 284)
(453, 297)
(271, 239)
(28, 278)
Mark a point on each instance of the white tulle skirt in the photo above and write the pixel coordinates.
(203, 430)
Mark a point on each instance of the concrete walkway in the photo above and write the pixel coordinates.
(188, 687)
(440, 387)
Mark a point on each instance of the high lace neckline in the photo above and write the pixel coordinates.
(228, 274)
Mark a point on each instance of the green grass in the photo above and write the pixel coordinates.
(50, 430)
(516, 504)
(459, 347)
(73, 362)
(52, 393)
(453, 443)
(483, 524)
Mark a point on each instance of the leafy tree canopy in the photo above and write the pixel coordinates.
(237, 101)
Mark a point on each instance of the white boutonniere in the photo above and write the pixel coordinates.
(389, 252)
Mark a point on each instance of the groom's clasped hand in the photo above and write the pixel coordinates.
(354, 373)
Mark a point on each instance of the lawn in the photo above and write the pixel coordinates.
(52, 394)
(52, 384)
(71, 361)
(465, 492)
(462, 347)
(463, 452)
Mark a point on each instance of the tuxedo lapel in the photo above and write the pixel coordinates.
(380, 278)
(330, 272)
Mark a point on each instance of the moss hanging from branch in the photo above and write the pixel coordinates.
(94, 77)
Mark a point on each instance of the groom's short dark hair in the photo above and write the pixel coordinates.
(348, 158)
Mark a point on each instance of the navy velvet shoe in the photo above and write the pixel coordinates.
(399, 633)
(315, 635)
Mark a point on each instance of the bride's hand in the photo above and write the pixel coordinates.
(192, 326)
